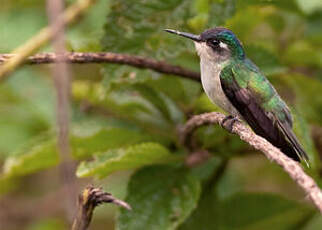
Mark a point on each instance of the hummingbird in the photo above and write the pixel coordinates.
(234, 83)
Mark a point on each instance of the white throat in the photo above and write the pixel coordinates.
(211, 65)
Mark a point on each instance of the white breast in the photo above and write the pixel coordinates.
(210, 78)
(211, 65)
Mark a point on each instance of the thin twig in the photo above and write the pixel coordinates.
(40, 39)
(290, 166)
(197, 157)
(88, 200)
(61, 79)
(87, 58)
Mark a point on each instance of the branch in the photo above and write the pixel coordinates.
(292, 167)
(61, 79)
(88, 201)
(86, 58)
(40, 39)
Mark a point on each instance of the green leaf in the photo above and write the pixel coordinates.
(30, 21)
(41, 152)
(162, 197)
(85, 36)
(41, 156)
(126, 104)
(181, 91)
(204, 171)
(263, 212)
(141, 31)
(154, 98)
(133, 107)
(26, 109)
(126, 158)
(205, 214)
(168, 95)
(248, 211)
(104, 139)
(142, 27)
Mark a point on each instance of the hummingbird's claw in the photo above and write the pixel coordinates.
(228, 122)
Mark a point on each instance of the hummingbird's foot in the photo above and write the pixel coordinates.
(228, 122)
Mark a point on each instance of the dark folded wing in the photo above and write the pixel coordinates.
(274, 124)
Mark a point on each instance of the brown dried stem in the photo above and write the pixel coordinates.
(290, 166)
(89, 199)
(87, 58)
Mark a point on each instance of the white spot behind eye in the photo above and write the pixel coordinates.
(223, 45)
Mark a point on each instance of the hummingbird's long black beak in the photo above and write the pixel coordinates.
(193, 37)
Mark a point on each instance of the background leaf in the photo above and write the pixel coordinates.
(161, 197)
(129, 158)
(39, 157)
(263, 212)
(275, 211)
(105, 139)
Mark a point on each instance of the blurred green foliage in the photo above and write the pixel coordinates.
(125, 118)
(170, 205)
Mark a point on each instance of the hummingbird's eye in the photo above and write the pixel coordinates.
(214, 42)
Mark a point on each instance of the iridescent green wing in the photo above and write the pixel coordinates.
(261, 107)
